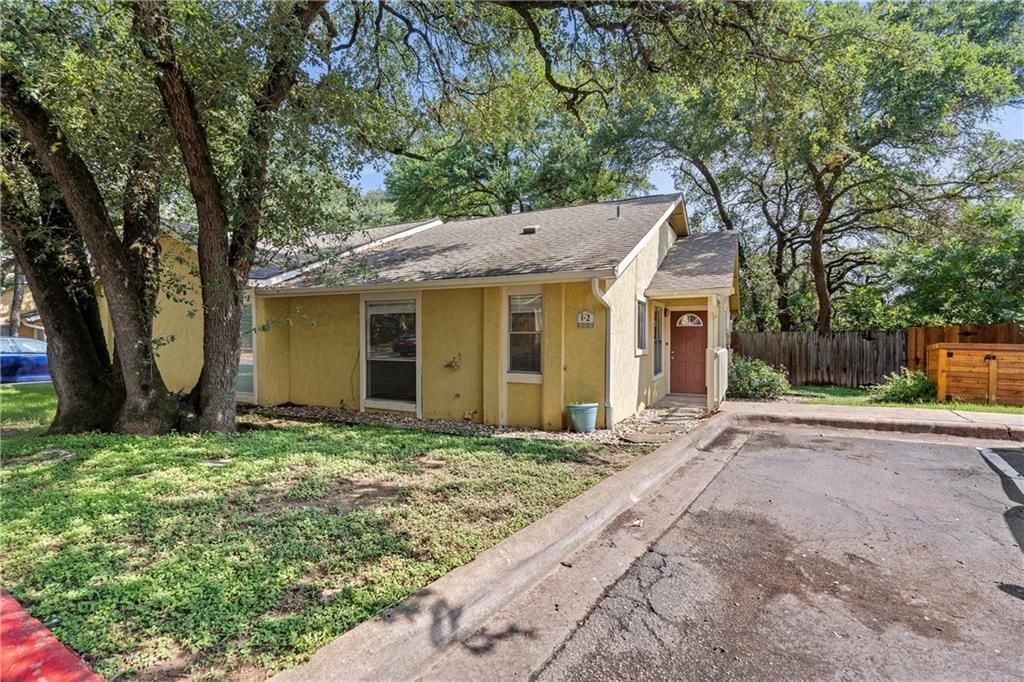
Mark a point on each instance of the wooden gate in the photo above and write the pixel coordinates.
(978, 372)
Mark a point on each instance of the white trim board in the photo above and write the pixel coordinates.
(635, 251)
(466, 283)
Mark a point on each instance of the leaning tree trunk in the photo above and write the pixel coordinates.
(17, 300)
(225, 254)
(821, 289)
(50, 252)
(148, 407)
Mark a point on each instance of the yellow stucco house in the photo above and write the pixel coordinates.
(504, 320)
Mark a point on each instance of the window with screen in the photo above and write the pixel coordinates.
(525, 313)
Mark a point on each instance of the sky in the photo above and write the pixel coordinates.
(1009, 123)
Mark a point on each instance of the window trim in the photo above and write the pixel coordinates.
(641, 304)
(380, 403)
(658, 343)
(522, 376)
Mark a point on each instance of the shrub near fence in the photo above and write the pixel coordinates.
(841, 358)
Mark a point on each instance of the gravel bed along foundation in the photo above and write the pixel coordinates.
(637, 422)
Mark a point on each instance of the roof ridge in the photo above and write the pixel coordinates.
(452, 221)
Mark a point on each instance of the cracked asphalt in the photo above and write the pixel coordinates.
(823, 557)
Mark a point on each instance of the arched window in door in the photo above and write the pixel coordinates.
(689, 320)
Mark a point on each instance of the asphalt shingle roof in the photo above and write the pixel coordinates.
(271, 262)
(697, 262)
(571, 239)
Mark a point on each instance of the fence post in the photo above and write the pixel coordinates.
(993, 374)
(940, 390)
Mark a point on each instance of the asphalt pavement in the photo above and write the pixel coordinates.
(815, 556)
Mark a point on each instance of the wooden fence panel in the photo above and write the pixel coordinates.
(841, 358)
(919, 338)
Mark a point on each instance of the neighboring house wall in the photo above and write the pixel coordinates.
(178, 324)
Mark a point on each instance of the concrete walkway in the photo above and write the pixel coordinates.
(952, 422)
(675, 414)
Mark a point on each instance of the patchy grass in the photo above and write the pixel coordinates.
(840, 395)
(26, 406)
(236, 556)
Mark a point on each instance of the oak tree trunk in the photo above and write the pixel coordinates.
(147, 408)
(51, 253)
(821, 289)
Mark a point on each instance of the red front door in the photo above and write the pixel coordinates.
(689, 346)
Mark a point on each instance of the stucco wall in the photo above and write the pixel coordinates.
(584, 348)
(178, 323)
(323, 350)
(179, 318)
(633, 387)
(524, 405)
(273, 348)
(452, 353)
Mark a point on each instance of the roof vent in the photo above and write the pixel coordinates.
(531, 229)
(618, 212)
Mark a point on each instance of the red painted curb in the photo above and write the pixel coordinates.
(29, 652)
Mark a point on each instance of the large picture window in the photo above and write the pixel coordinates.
(391, 350)
(659, 352)
(525, 313)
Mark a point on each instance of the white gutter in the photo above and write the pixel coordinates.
(463, 283)
(689, 293)
(595, 285)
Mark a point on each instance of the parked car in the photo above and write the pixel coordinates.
(404, 346)
(23, 360)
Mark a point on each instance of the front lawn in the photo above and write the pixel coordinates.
(26, 406)
(839, 395)
(236, 556)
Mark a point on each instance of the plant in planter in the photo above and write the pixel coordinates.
(582, 416)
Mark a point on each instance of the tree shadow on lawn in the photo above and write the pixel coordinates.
(138, 550)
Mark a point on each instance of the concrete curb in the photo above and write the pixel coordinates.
(30, 653)
(403, 641)
(959, 429)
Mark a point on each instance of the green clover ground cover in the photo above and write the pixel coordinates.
(240, 555)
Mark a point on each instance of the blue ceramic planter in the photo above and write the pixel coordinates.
(583, 417)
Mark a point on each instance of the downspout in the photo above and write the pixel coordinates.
(595, 285)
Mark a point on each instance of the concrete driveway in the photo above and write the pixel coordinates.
(815, 556)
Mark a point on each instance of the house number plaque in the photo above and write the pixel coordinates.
(585, 319)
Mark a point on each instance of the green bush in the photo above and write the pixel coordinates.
(752, 378)
(904, 386)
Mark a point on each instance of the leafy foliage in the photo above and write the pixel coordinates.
(975, 276)
(905, 386)
(753, 378)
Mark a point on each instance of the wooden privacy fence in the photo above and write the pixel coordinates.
(978, 372)
(841, 358)
(919, 338)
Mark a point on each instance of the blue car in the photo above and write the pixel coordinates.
(23, 360)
